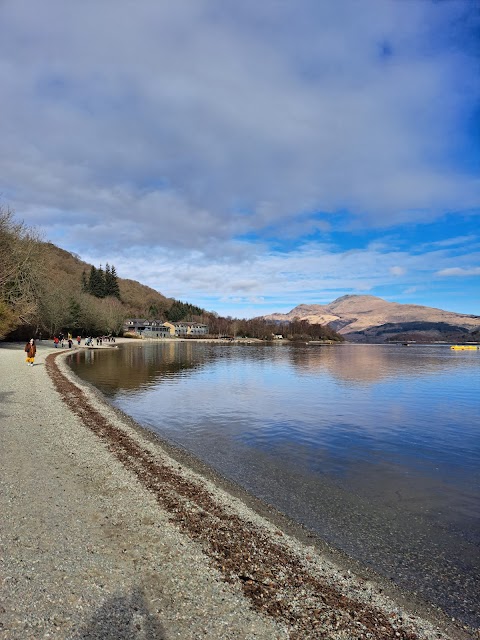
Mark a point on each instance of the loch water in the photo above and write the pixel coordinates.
(373, 447)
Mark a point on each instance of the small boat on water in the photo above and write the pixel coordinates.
(464, 347)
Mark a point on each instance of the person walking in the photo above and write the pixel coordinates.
(56, 341)
(30, 350)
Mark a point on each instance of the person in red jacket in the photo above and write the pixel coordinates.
(30, 350)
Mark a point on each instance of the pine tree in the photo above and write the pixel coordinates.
(114, 286)
(92, 280)
(111, 282)
(85, 287)
(108, 280)
(96, 282)
(101, 282)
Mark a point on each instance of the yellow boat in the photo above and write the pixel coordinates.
(464, 347)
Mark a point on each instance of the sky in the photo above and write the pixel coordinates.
(247, 157)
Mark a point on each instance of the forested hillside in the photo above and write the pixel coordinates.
(42, 289)
(45, 290)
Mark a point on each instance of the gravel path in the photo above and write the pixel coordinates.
(104, 535)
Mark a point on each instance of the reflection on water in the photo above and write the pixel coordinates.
(363, 364)
(135, 366)
(374, 447)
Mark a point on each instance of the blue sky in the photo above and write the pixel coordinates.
(248, 157)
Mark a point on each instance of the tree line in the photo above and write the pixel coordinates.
(259, 328)
(183, 311)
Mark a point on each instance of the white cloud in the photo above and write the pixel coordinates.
(175, 117)
(203, 146)
(459, 271)
(277, 281)
(459, 240)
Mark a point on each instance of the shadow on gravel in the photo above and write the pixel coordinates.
(124, 617)
(5, 398)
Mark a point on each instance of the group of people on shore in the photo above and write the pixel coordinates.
(60, 340)
(31, 349)
(89, 340)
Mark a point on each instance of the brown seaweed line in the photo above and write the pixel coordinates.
(273, 579)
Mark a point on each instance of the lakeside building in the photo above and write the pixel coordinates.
(159, 329)
(144, 327)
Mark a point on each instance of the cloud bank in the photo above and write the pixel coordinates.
(232, 134)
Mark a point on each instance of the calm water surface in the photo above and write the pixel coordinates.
(375, 448)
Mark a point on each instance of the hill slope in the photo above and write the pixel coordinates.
(369, 318)
(59, 302)
(65, 271)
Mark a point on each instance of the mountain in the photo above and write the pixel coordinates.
(364, 318)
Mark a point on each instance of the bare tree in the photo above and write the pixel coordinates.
(20, 273)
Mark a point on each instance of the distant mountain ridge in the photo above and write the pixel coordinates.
(366, 318)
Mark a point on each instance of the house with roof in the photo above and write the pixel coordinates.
(158, 329)
(186, 328)
(146, 328)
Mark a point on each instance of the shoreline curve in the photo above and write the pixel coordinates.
(279, 580)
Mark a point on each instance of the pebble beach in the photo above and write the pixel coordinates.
(106, 532)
